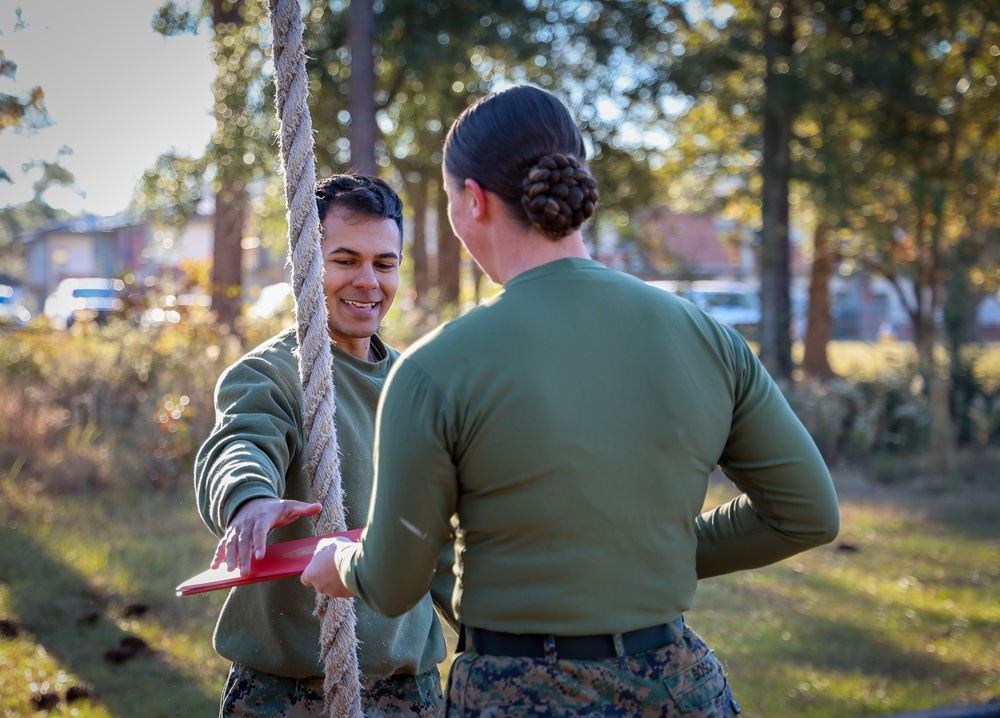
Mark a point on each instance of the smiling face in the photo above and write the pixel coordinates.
(361, 254)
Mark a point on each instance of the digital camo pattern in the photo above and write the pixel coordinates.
(253, 694)
(416, 696)
(679, 679)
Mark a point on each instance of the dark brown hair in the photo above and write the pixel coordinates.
(359, 193)
(521, 144)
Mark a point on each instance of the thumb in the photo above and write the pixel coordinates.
(310, 509)
(294, 509)
(291, 510)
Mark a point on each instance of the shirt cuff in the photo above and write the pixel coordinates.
(344, 561)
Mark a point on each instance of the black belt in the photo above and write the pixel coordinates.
(574, 648)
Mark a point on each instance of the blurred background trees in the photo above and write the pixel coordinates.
(871, 128)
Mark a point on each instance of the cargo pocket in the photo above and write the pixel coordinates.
(701, 689)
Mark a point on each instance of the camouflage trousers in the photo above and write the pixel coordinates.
(683, 678)
(254, 694)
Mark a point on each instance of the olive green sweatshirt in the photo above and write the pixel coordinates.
(257, 450)
(572, 422)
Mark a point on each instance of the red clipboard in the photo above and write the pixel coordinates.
(281, 560)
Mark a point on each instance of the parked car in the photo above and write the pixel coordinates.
(12, 309)
(732, 303)
(83, 298)
(274, 300)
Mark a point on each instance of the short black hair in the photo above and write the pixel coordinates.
(360, 193)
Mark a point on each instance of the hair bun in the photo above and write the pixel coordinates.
(558, 194)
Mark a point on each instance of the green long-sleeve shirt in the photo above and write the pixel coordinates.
(257, 449)
(572, 422)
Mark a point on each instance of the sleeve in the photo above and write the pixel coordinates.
(788, 502)
(257, 432)
(413, 499)
(443, 584)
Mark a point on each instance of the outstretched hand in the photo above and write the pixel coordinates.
(246, 537)
(322, 574)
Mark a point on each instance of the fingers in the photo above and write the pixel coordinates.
(324, 578)
(237, 544)
(322, 574)
(259, 545)
(246, 538)
(245, 544)
(226, 551)
(220, 552)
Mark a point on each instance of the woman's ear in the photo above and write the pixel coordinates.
(477, 199)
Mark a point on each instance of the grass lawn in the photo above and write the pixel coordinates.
(80, 574)
(902, 613)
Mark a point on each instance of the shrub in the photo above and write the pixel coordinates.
(112, 401)
(853, 421)
(83, 409)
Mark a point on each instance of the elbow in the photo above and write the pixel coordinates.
(394, 611)
(831, 523)
(825, 529)
(832, 529)
(392, 607)
(825, 536)
(391, 604)
(820, 529)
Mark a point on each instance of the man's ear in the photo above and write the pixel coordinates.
(477, 198)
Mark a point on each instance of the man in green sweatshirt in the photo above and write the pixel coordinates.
(252, 484)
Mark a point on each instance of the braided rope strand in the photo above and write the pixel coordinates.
(338, 640)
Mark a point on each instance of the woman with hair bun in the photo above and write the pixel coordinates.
(570, 423)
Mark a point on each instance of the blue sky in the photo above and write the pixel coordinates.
(118, 95)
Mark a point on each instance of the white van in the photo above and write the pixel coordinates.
(734, 303)
(82, 298)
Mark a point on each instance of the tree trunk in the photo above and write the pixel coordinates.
(815, 361)
(449, 254)
(417, 194)
(361, 100)
(230, 200)
(925, 338)
(775, 343)
(942, 439)
(227, 253)
(960, 302)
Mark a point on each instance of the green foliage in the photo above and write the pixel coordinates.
(893, 135)
(432, 59)
(172, 19)
(170, 191)
(25, 111)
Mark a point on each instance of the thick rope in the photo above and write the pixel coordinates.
(338, 641)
